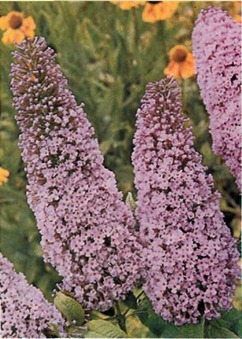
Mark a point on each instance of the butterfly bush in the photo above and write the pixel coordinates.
(24, 310)
(217, 46)
(191, 257)
(88, 232)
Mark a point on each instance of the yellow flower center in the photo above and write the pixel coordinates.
(15, 21)
(179, 55)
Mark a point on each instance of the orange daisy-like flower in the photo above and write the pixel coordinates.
(159, 10)
(16, 27)
(182, 63)
(4, 174)
(128, 4)
(238, 18)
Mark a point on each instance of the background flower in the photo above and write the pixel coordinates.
(126, 5)
(182, 63)
(158, 10)
(216, 44)
(4, 174)
(16, 27)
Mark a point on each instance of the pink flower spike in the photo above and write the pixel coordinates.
(88, 232)
(191, 258)
(216, 42)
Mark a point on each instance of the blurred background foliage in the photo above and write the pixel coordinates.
(108, 55)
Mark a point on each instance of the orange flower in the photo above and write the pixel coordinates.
(4, 174)
(128, 4)
(182, 63)
(16, 27)
(158, 10)
(237, 18)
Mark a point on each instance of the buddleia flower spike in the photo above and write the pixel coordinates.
(88, 232)
(191, 257)
(216, 42)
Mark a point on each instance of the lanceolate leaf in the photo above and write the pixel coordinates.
(231, 320)
(130, 300)
(163, 329)
(185, 331)
(103, 329)
(214, 331)
(92, 334)
(70, 308)
(150, 319)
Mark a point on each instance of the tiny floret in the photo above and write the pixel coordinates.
(217, 47)
(25, 313)
(190, 258)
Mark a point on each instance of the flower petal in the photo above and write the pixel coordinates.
(4, 174)
(4, 23)
(11, 36)
(187, 69)
(161, 11)
(173, 69)
(28, 27)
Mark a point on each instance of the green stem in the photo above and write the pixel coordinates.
(120, 317)
(7, 201)
(228, 197)
(161, 32)
(127, 311)
(203, 327)
(230, 209)
(139, 295)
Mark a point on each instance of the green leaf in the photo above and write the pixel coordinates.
(95, 315)
(150, 319)
(231, 320)
(130, 300)
(54, 330)
(184, 331)
(70, 308)
(92, 334)
(214, 331)
(163, 329)
(103, 329)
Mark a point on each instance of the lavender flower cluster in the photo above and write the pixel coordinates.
(24, 310)
(191, 257)
(217, 48)
(88, 232)
(187, 255)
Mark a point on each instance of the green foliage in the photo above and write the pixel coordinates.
(228, 326)
(213, 331)
(69, 308)
(231, 321)
(103, 329)
(115, 326)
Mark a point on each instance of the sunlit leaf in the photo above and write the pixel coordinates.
(103, 329)
(70, 308)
